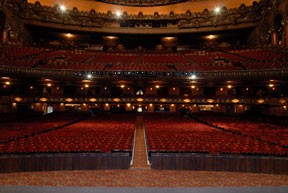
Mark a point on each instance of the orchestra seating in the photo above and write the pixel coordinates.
(10, 117)
(171, 132)
(100, 133)
(262, 130)
(68, 141)
(176, 142)
(12, 131)
(105, 141)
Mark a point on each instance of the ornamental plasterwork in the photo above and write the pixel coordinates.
(142, 3)
(94, 18)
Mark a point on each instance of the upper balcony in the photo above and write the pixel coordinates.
(182, 17)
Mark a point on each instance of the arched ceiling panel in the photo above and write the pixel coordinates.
(177, 7)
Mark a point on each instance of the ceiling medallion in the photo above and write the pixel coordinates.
(142, 3)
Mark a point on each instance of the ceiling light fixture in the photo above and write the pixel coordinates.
(118, 13)
(193, 77)
(62, 8)
(217, 10)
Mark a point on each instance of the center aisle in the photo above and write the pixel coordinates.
(140, 156)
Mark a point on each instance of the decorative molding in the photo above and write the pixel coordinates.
(143, 3)
(149, 99)
(94, 19)
(207, 18)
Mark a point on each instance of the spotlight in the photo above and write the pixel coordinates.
(89, 76)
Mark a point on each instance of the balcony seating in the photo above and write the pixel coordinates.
(20, 52)
(201, 60)
(164, 58)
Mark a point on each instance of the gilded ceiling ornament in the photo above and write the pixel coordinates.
(142, 3)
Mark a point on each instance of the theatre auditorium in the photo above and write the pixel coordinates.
(144, 96)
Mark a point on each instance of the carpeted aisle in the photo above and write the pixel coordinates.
(140, 156)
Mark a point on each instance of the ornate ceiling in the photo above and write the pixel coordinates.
(145, 6)
(143, 3)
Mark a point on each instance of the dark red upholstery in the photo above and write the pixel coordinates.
(171, 132)
(103, 133)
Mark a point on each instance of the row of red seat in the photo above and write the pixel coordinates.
(100, 133)
(19, 52)
(267, 65)
(138, 67)
(205, 67)
(208, 60)
(165, 59)
(265, 131)
(169, 132)
(11, 131)
(173, 133)
(263, 55)
(67, 66)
